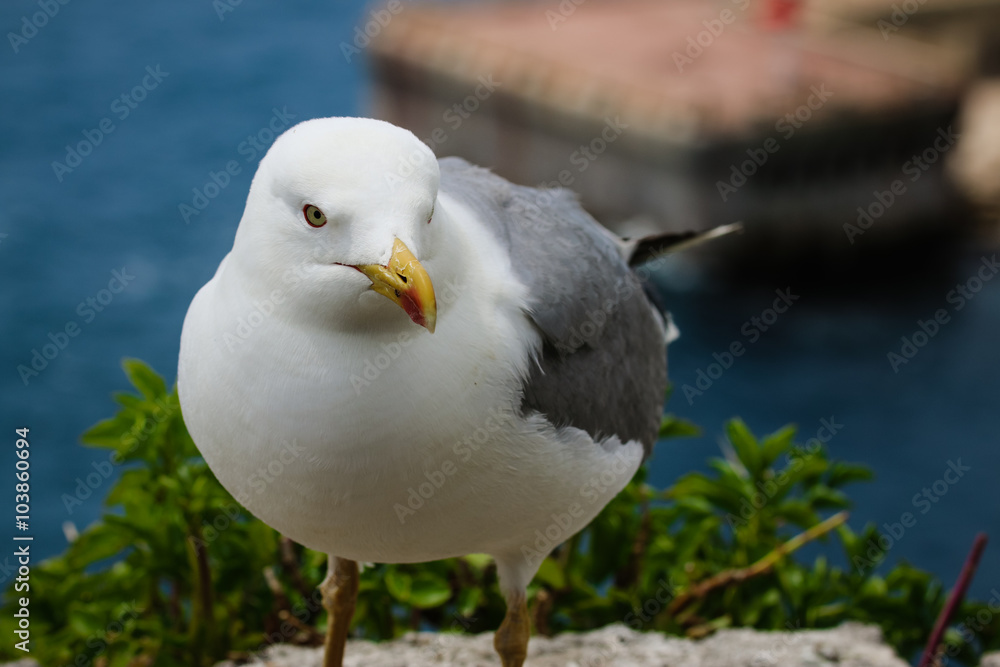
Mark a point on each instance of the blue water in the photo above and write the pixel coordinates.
(825, 363)
(220, 82)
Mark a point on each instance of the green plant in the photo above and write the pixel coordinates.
(177, 573)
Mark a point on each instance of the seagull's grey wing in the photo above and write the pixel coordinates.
(603, 364)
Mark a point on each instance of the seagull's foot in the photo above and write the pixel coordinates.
(340, 593)
(511, 639)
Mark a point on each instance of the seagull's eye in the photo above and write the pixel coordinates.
(431, 216)
(314, 216)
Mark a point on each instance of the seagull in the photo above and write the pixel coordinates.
(405, 359)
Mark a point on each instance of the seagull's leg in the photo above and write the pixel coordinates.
(340, 592)
(511, 640)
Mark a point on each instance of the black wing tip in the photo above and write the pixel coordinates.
(657, 245)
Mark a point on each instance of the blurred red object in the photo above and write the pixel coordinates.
(780, 14)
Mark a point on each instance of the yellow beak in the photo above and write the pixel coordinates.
(405, 282)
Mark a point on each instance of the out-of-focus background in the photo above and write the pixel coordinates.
(859, 143)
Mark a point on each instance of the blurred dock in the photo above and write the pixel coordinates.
(797, 117)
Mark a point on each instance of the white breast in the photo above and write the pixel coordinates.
(387, 447)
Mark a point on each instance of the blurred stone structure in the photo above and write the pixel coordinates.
(798, 118)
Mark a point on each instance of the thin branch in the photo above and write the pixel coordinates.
(544, 600)
(762, 566)
(204, 580)
(290, 562)
(955, 599)
(280, 599)
(308, 635)
(630, 574)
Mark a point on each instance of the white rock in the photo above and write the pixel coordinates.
(850, 645)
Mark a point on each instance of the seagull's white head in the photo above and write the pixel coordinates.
(341, 208)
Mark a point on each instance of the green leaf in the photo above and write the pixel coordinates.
(107, 433)
(130, 402)
(804, 469)
(100, 542)
(823, 497)
(730, 477)
(133, 485)
(745, 445)
(696, 504)
(429, 590)
(144, 378)
(123, 657)
(469, 600)
(675, 427)
(478, 562)
(696, 484)
(874, 587)
(399, 584)
(85, 623)
(845, 473)
(797, 512)
(777, 444)
(552, 574)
